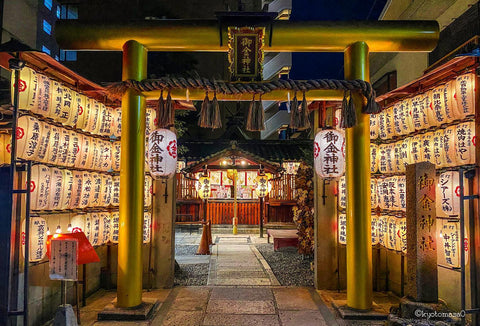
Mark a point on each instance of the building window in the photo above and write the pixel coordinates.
(45, 49)
(58, 12)
(48, 4)
(68, 55)
(69, 12)
(47, 28)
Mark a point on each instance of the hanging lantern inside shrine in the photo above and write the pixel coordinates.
(117, 122)
(67, 187)
(150, 121)
(373, 193)
(391, 233)
(465, 95)
(162, 153)
(40, 187)
(105, 227)
(106, 192)
(329, 155)
(449, 100)
(78, 223)
(94, 117)
(450, 244)
(465, 142)
(342, 192)
(389, 123)
(402, 235)
(342, 229)
(437, 104)
(416, 149)
(426, 143)
(438, 148)
(382, 128)
(449, 192)
(87, 190)
(203, 187)
(77, 187)
(116, 149)
(38, 239)
(96, 190)
(148, 185)
(263, 186)
(402, 192)
(105, 126)
(116, 191)
(83, 107)
(382, 227)
(419, 112)
(95, 229)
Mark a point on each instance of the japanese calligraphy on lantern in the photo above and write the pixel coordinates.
(342, 193)
(402, 235)
(63, 260)
(263, 186)
(392, 233)
(373, 126)
(374, 230)
(465, 95)
(245, 52)
(465, 142)
(162, 153)
(328, 152)
(382, 227)
(203, 187)
(342, 229)
(38, 238)
(449, 192)
(450, 246)
(373, 158)
(115, 227)
(147, 227)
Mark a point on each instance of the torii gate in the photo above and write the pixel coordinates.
(355, 39)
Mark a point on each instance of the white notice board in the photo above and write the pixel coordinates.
(63, 259)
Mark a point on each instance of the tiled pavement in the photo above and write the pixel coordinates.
(241, 290)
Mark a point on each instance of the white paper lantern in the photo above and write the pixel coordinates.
(89, 227)
(106, 156)
(419, 112)
(77, 188)
(64, 147)
(147, 168)
(27, 89)
(374, 158)
(56, 101)
(449, 146)
(373, 126)
(465, 95)
(147, 229)
(337, 120)
(148, 191)
(116, 152)
(384, 201)
(76, 103)
(402, 235)
(97, 189)
(78, 223)
(438, 148)
(465, 142)
(342, 193)
(67, 187)
(116, 191)
(430, 111)
(406, 151)
(426, 143)
(87, 190)
(402, 192)
(83, 108)
(117, 122)
(73, 148)
(393, 202)
(28, 137)
(450, 244)
(373, 193)
(84, 159)
(94, 116)
(329, 153)
(449, 100)
(416, 154)
(391, 233)
(374, 230)
(7, 149)
(437, 104)
(382, 127)
(382, 158)
(43, 142)
(162, 153)
(55, 196)
(95, 233)
(115, 227)
(405, 115)
(449, 192)
(105, 227)
(342, 229)
(398, 119)
(44, 94)
(38, 238)
(105, 123)
(398, 163)
(106, 192)
(39, 187)
(68, 107)
(95, 153)
(382, 227)
(389, 122)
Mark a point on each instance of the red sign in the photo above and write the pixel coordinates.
(86, 253)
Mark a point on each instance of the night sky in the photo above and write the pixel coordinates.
(328, 65)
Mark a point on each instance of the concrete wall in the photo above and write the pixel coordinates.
(20, 21)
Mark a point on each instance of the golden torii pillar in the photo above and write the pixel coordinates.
(355, 39)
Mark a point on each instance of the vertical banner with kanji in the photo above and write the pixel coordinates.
(245, 52)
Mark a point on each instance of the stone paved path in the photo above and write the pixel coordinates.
(236, 261)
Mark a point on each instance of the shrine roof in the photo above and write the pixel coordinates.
(275, 151)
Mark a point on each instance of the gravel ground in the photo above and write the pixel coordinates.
(185, 250)
(191, 274)
(289, 267)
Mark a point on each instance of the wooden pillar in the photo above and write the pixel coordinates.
(164, 211)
